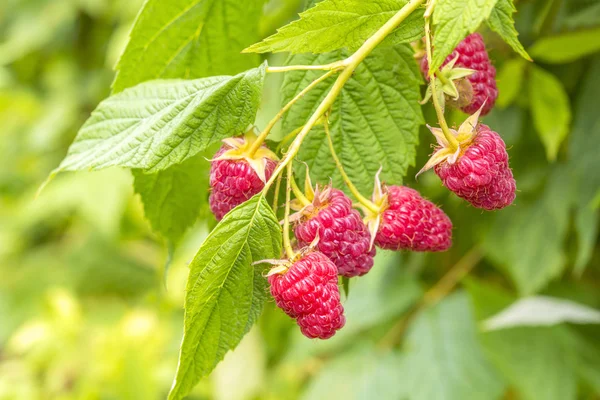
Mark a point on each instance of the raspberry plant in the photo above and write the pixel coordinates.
(350, 121)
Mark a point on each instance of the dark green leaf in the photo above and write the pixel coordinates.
(172, 198)
(374, 122)
(225, 290)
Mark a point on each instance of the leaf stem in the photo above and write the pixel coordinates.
(335, 66)
(434, 95)
(276, 194)
(350, 64)
(298, 193)
(287, 138)
(361, 199)
(286, 221)
(261, 138)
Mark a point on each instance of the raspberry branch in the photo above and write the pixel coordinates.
(335, 66)
(434, 93)
(263, 136)
(298, 193)
(286, 221)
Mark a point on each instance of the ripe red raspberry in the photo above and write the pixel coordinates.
(472, 54)
(481, 174)
(410, 222)
(343, 236)
(308, 291)
(234, 180)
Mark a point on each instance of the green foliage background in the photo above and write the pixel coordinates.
(84, 312)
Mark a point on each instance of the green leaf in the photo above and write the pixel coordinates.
(566, 47)
(454, 20)
(225, 290)
(510, 80)
(336, 24)
(535, 361)
(157, 124)
(542, 311)
(550, 108)
(189, 39)
(501, 21)
(364, 373)
(531, 247)
(374, 122)
(173, 198)
(584, 165)
(586, 225)
(444, 357)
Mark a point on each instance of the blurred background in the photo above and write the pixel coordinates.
(84, 310)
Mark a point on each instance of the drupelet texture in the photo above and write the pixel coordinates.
(481, 175)
(343, 236)
(411, 222)
(472, 54)
(308, 291)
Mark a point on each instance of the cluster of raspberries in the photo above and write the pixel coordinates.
(332, 235)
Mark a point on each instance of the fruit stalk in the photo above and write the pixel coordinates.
(361, 199)
(434, 94)
(286, 221)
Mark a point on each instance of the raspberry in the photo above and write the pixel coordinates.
(234, 180)
(472, 54)
(343, 237)
(308, 291)
(410, 222)
(481, 174)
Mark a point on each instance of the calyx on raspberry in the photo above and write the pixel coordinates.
(477, 170)
(450, 80)
(306, 289)
(343, 236)
(238, 172)
(470, 90)
(407, 221)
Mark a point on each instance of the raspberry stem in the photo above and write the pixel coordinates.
(287, 138)
(286, 221)
(298, 193)
(452, 141)
(334, 66)
(361, 199)
(261, 138)
(276, 194)
(350, 64)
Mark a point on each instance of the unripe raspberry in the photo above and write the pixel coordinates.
(472, 55)
(481, 174)
(343, 236)
(236, 176)
(308, 291)
(410, 222)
